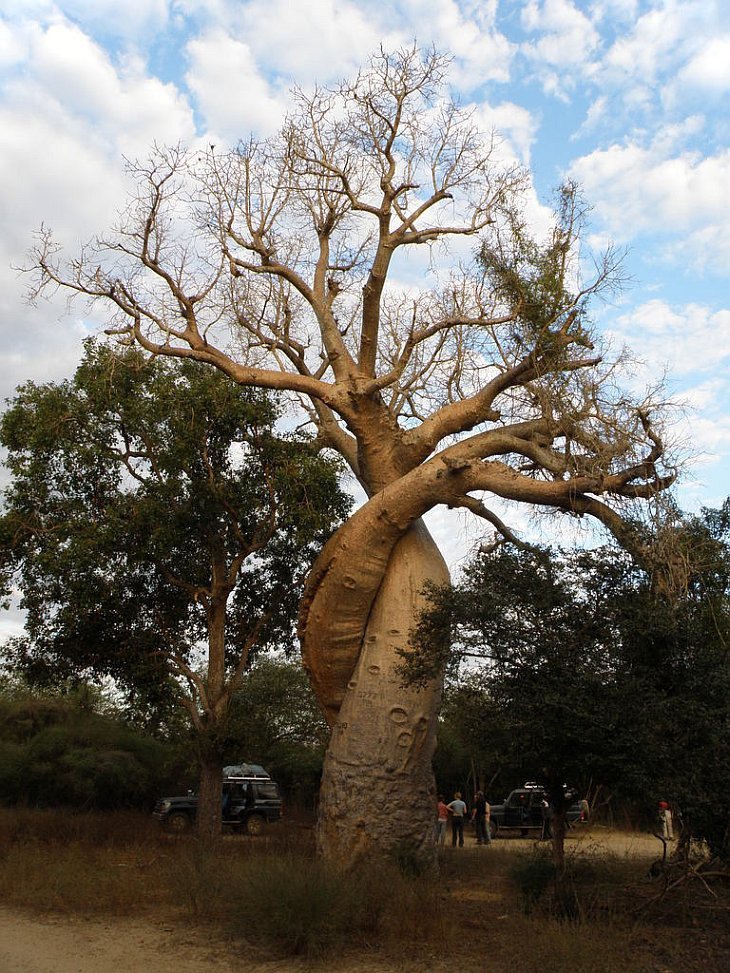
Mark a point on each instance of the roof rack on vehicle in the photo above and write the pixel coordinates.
(245, 770)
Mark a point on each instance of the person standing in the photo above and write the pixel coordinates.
(665, 817)
(457, 810)
(442, 818)
(480, 816)
(546, 813)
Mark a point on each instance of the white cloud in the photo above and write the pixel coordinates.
(566, 44)
(122, 100)
(316, 41)
(689, 348)
(232, 94)
(636, 190)
(68, 114)
(656, 41)
(621, 10)
(685, 340)
(511, 122)
(12, 47)
(130, 18)
(675, 51)
(709, 69)
(469, 33)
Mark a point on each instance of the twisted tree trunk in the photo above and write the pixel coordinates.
(378, 794)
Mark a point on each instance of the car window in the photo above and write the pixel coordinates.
(268, 791)
(519, 799)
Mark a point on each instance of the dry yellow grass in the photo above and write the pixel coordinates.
(490, 908)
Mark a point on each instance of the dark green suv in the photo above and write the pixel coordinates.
(523, 811)
(249, 805)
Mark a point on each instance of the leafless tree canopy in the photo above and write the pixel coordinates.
(275, 264)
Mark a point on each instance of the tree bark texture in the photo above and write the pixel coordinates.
(378, 793)
(209, 821)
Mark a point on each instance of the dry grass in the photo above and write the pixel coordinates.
(490, 908)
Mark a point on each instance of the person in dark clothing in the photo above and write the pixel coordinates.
(479, 817)
(457, 809)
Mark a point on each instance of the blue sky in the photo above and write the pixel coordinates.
(629, 97)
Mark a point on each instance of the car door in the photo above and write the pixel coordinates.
(517, 809)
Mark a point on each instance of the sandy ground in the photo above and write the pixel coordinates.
(32, 944)
(49, 944)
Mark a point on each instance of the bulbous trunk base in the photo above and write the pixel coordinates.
(378, 793)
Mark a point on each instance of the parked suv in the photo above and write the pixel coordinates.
(522, 810)
(250, 803)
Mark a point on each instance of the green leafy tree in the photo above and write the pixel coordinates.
(588, 671)
(275, 721)
(160, 531)
(675, 637)
(59, 750)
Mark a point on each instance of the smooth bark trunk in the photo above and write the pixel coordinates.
(378, 794)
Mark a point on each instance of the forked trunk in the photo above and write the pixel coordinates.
(378, 795)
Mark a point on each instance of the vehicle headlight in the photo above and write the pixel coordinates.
(165, 805)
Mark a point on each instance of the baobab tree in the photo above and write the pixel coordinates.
(277, 263)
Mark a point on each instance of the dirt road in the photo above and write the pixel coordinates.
(33, 944)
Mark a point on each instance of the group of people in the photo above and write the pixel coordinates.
(457, 812)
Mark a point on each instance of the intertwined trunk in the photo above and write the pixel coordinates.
(377, 796)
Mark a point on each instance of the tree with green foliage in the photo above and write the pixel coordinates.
(275, 721)
(60, 750)
(587, 671)
(160, 530)
(277, 263)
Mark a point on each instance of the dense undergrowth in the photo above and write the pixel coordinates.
(488, 908)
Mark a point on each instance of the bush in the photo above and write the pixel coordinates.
(55, 752)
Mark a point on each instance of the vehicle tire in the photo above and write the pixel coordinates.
(178, 823)
(493, 829)
(255, 825)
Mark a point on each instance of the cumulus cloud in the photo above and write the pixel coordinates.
(316, 41)
(132, 18)
(233, 97)
(687, 348)
(68, 115)
(672, 53)
(639, 190)
(469, 32)
(709, 69)
(67, 75)
(685, 340)
(515, 124)
(657, 40)
(566, 43)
